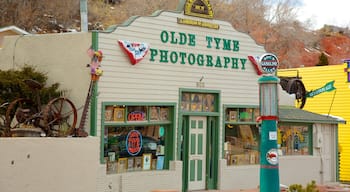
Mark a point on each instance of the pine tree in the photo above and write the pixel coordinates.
(323, 60)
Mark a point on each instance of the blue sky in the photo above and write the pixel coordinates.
(320, 12)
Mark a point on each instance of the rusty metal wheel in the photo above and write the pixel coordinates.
(18, 112)
(60, 117)
(297, 87)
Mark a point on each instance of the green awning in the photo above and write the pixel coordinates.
(294, 115)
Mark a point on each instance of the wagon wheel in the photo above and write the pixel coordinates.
(60, 117)
(19, 112)
(297, 87)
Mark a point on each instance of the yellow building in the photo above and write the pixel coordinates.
(323, 99)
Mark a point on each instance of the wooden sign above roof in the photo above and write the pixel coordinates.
(199, 8)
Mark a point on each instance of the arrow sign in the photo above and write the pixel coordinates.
(326, 88)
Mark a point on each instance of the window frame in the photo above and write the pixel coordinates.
(169, 125)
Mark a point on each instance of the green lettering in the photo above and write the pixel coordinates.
(209, 40)
(243, 61)
(227, 44)
(163, 56)
(191, 40)
(209, 61)
(182, 56)
(235, 45)
(200, 59)
(183, 38)
(218, 62)
(227, 61)
(217, 42)
(173, 57)
(173, 39)
(164, 37)
(154, 53)
(191, 58)
(234, 63)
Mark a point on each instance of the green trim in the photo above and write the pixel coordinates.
(184, 129)
(310, 133)
(131, 19)
(213, 129)
(268, 79)
(198, 91)
(93, 104)
(295, 115)
(183, 136)
(311, 144)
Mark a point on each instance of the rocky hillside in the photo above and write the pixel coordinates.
(294, 45)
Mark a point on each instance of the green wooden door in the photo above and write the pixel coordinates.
(197, 153)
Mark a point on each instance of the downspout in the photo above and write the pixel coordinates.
(83, 16)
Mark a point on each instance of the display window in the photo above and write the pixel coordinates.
(241, 144)
(134, 148)
(198, 102)
(241, 136)
(135, 137)
(294, 140)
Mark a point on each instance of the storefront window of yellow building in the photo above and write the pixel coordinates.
(293, 140)
(241, 136)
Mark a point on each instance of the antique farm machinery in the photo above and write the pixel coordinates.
(294, 85)
(25, 116)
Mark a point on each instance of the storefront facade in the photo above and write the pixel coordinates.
(329, 95)
(179, 88)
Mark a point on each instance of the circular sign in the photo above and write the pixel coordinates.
(272, 156)
(161, 131)
(134, 142)
(268, 63)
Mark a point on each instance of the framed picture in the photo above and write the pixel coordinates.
(160, 162)
(160, 150)
(155, 113)
(256, 112)
(185, 102)
(245, 115)
(119, 114)
(122, 165)
(164, 113)
(138, 163)
(147, 158)
(130, 164)
(234, 160)
(154, 164)
(196, 102)
(232, 116)
(208, 103)
(111, 167)
(109, 113)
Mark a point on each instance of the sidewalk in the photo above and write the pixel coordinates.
(321, 188)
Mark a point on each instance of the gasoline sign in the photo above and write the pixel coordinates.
(268, 63)
(134, 142)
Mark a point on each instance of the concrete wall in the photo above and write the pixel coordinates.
(146, 181)
(49, 164)
(72, 165)
(292, 170)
